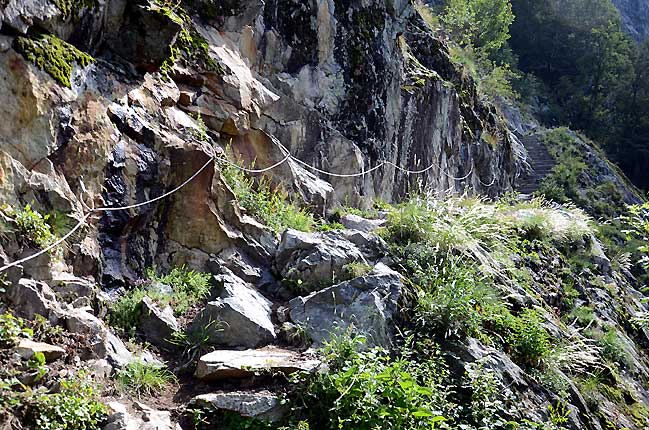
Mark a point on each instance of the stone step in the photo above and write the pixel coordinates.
(232, 364)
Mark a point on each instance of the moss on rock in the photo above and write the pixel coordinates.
(52, 55)
(72, 7)
(190, 45)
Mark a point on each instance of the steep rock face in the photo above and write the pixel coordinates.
(635, 17)
(344, 86)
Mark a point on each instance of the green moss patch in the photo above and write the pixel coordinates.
(53, 55)
(190, 46)
(72, 7)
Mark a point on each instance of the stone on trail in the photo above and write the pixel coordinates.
(27, 348)
(227, 364)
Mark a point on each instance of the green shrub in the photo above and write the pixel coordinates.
(368, 390)
(125, 312)
(35, 226)
(356, 270)
(188, 288)
(613, 347)
(195, 342)
(271, 206)
(584, 315)
(528, 339)
(143, 379)
(454, 298)
(75, 407)
(11, 328)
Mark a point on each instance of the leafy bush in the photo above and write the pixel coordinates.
(270, 205)
(189, 286)
(75, 407)
(368, 390)
(481, 24)
(194, 342)
(356, 269)
(35, 226)
(529, 340)
(143, 379)
(454, 297)
(613, 347)
(11, 328)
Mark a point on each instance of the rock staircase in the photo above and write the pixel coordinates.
(541, 163)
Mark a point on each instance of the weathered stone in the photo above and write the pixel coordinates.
(21, 14)
(242, 315)
(158, 325)
(29, 298)
(99, 368)
(262, 405)
(355, 222)
(69, 287)
(227, 364)
(369, 303)
(315, 259)
(103, 342)
(142, 418)
(145, 36)
(27, 348)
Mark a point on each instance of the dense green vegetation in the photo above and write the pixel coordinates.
(188, 287)
(569, 58)
(35, 398)
(143, 379)
(592, 78)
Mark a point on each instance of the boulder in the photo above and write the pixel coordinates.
(242, 315)
(315, 259)
(27, 348)
(29, 298)
(369, 303)
(227, 364)
(355, 222)
(103, 342)
(142, 418)
(262, 405)
(158, 325)
(21, 14)
(69, 287)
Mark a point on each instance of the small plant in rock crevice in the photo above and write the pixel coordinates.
(269, 204)
(11, 328)
(188, 288)
(195, 341)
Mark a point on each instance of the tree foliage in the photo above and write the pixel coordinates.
(481, 24)
(593, 74)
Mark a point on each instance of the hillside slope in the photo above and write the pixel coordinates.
(297, 215)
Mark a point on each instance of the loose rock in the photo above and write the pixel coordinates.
(240, 364)
(369, 303)
(242, 316)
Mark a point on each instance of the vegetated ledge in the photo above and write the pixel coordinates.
(52, 55)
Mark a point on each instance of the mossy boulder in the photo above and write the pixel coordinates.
(53, 55)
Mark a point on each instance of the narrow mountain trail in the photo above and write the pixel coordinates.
(541, 163)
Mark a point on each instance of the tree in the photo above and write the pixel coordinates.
(480, 24)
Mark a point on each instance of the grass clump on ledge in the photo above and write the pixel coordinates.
(270, 205)
(143, 379)
(188, 287)
(53, 55)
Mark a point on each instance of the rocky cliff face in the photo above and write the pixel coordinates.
(343, 86)
(113, 103)
(635, 16)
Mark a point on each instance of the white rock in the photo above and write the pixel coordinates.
(240, 364)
